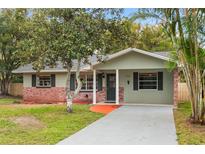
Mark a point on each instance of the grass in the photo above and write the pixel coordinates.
(188, 133)
(57, 123)
(9, 100)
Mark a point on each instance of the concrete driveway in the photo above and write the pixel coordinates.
(134, 125)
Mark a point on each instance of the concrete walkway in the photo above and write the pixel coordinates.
(134, 125)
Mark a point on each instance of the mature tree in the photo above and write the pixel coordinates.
(148, 37)
(187, 32)
(11, 32)
(62, 35)
(130, 32)
(153, 38)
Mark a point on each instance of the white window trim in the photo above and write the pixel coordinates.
(86, 85)
(139, 81)
(39, 86)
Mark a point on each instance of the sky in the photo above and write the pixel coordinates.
(128, 12)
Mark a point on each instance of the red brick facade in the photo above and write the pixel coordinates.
(57, 95)
(175, 86)
(88, 96)
(121, 94)
(44, 95)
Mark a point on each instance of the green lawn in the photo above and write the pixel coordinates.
(41, 124)
(9, 100)
(187, 133)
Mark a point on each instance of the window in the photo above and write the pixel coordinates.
(87, 82)
(43, 81)
(147, 80)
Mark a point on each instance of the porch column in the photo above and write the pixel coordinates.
(117, 86)
(94, 86)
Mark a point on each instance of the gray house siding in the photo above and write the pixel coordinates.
(147, 96)
(137, 62)
(132, 60)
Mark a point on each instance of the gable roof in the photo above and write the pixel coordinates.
(159, 55)
(93, 61)
(163, 53)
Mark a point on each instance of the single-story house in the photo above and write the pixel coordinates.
(128, 76)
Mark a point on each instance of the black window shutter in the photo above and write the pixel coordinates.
(160, 80)
(72, 82)
(135, 80)
(99, 82)
(53, 80)
(33, 80)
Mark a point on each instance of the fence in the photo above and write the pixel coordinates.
(16, 89)
(183, 94)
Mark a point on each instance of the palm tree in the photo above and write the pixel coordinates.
(186, 29)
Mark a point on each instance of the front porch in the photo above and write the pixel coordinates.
(110, 86)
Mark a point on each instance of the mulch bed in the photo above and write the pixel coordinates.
(105, 109)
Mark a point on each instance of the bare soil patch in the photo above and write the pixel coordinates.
(195, 127)
(28, 122)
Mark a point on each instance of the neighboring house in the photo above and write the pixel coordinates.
(128, 76)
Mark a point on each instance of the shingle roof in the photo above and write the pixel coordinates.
(59, 67)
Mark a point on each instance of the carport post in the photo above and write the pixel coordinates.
(94, 86)
(117, 86)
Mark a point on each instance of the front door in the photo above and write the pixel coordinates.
(111, 85)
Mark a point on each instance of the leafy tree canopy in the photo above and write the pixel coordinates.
(62, 35)
(153, 38)
(11, 33)
(66, 34)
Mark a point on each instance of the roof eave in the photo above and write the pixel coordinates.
(85, 69)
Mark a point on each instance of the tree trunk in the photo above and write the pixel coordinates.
(68, 92)
(69, 95)
(5, 82)
(203, 101)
